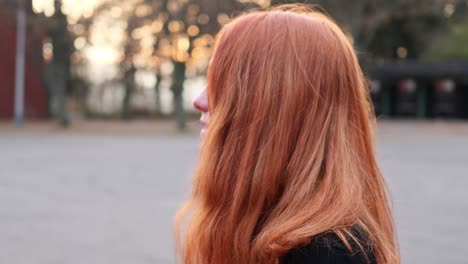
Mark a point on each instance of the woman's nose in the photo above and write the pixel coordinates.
(201, 102)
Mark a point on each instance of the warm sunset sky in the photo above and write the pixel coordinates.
(73, 8)
(101, 52)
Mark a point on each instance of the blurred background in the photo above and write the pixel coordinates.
(99, 138)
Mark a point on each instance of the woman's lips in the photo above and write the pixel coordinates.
(204, 122)
(204, 119)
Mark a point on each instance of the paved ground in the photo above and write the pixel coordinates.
(107, 196)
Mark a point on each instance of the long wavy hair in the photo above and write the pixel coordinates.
(288, 154)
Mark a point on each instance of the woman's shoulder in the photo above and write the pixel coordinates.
(330, 249)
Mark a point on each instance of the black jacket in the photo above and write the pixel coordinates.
(329, 249)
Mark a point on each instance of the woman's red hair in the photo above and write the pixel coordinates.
(289, 150)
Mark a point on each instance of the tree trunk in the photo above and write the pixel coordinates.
(177, 88)
(61, 85)
(129, 83)
(157, 91)
(60, 63)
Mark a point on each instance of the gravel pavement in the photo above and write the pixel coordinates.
(107, 196)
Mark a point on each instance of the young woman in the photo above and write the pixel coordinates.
(287, 171)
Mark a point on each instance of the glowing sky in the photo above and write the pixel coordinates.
(98, 53)
(74, 8)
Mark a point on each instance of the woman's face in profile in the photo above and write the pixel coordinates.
(201, 104)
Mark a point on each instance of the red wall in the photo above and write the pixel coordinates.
(35, 90)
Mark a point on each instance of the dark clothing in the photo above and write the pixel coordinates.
(329, 249)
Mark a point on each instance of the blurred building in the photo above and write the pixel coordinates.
(421, 90)
(35, 100)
